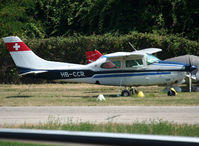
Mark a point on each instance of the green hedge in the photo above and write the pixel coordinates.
(72, 49)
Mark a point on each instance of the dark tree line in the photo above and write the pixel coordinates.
(47, 18)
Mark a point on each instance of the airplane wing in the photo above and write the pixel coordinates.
(149, 50)
(136, 53)
(32, 72)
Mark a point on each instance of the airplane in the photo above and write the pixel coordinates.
(126, 69)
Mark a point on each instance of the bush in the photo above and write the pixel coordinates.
(72, 49)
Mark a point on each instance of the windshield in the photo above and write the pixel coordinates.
(151, 59)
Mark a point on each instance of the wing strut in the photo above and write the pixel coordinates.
(132, 46)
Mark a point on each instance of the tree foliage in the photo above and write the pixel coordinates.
(47, 18)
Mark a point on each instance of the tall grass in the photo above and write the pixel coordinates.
(155, 127)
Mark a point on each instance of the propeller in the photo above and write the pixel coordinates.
(190, 68)
(190, 74)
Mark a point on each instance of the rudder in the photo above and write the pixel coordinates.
(21, 54)
(93, 55)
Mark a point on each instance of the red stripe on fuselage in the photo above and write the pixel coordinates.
(17, 46)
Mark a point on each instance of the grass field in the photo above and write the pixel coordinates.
(85, 95)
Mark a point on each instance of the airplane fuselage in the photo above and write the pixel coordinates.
(159, 73)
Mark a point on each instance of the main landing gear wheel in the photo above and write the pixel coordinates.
(126, 93)
(134, 91)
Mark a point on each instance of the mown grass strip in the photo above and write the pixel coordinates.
(85, 95)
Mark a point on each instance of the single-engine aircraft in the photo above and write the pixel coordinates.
(120, 69)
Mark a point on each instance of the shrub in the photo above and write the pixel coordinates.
(72, 49)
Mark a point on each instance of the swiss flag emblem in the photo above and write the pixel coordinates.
(18, 46)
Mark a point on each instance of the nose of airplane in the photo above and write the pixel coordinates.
(190, 68)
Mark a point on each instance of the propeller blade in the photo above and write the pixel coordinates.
(190, 82)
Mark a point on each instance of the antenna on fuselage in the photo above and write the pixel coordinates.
(132, 46)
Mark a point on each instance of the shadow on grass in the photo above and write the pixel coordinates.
(19, 96)
(76, 96)
(95, 96)
(92, 92)
(109, 96)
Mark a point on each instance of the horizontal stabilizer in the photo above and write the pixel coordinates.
(32, 72)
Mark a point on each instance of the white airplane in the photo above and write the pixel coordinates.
(120, 69)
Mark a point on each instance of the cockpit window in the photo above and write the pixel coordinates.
(110, 65)
(151, 59)
(134, 63)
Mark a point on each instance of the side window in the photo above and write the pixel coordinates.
(134, 63)
(111, 65)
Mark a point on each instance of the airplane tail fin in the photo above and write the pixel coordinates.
(27, 61)
(22, 55)
(93, 55)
